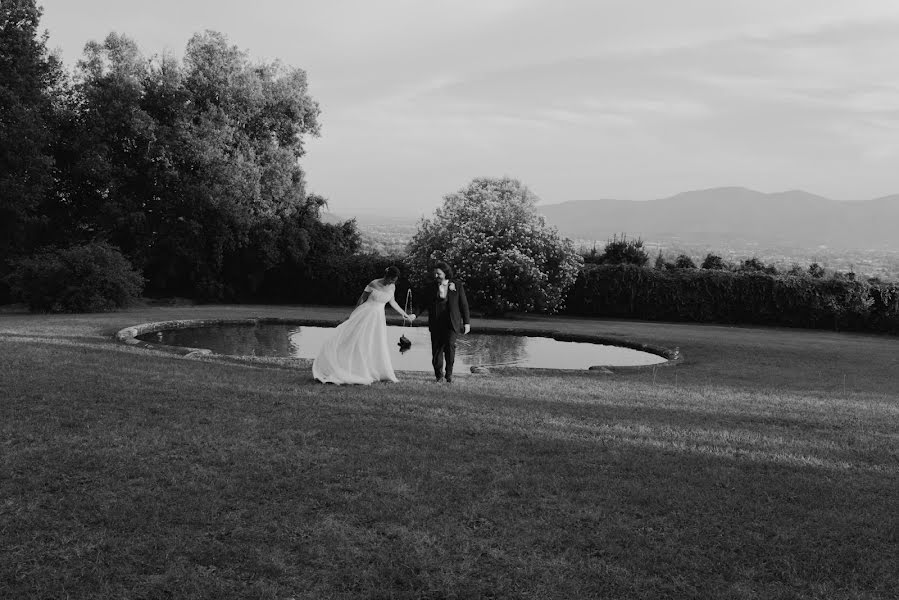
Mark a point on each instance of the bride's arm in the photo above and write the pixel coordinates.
(396, 307)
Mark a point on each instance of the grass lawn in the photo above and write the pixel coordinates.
(765, 465)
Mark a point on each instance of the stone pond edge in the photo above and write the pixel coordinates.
(129, 336)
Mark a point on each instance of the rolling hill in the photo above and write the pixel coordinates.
(733, 213)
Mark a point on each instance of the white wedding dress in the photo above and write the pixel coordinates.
(357, 351)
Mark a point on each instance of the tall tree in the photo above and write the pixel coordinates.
(191, 167)
(28, 78)
(107, 149)
(243, 138)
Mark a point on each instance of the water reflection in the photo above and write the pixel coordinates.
(485, 350)
(244, 340)
(472, 350)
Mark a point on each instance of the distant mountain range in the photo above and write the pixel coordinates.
(721, 215)
(735, 214)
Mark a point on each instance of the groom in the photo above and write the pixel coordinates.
(447, 307)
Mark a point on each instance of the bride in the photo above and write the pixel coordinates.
(357, 351)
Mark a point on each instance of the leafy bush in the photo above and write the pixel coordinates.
(684, 262)
(492, 236)
(756, 265)
(713, 262)
(623, 251)
(87, 278)
(815, 270)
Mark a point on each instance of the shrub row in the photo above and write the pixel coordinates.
(628, 291)
(341, 280)
(690, 295)
(96, 277)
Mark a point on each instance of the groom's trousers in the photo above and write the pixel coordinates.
(443, 348)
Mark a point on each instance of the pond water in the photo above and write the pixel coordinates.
(474, 349)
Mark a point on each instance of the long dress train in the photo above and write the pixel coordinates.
(358, 352)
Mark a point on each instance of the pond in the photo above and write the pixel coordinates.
(472, 350)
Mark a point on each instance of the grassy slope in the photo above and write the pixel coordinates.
(764, 466)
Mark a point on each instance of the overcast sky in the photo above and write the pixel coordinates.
(579, 99)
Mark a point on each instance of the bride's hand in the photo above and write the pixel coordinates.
(411, 317)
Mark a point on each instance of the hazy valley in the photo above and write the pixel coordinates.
(782, 228)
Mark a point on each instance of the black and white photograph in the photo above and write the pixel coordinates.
(449, 299)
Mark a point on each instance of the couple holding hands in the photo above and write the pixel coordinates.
(358, 350)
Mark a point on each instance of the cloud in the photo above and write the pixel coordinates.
(586, 98)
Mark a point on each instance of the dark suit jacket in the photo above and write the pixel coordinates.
(457, 304)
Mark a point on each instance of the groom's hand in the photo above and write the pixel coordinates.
(467, 328)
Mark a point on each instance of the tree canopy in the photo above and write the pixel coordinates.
(28, 79)
(491, 234)
(713, 262)
(620, 250)
(191, 167)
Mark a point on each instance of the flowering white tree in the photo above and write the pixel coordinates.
(492, 236)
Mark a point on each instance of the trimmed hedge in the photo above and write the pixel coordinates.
(707, 296)
(340, 281)
(690, 295)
